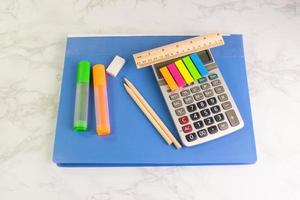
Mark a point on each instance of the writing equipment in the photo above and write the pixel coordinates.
(133, 140)
(177, 49)
(152, 113)
(82, 96)
(101, 102)
(148, 115)
(115, 66)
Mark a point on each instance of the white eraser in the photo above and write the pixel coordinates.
(115, 66)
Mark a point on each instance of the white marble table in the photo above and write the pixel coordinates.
(32, 45)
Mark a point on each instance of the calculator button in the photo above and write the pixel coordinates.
(188, 100)
(180, 111)
(191, 108)
(205, 112)
(212, 76)
(183, 120)
(215, 83)
(205, 86)
(212, 129)
(198, 124)
(202, 80)
(174, 96)
(208, 93)
(223, 126)
(177, 103)
(212, 101)
(219, 89)
(195, 116)
(202, 133)
(227, 105)
(185, 93)
(215, 109)
(209, 121)
(223, 97)
(232, 118)
(187, 128)
(198, 96)
(201, 104)
(219, 117)
(195, 89)
(191, 137)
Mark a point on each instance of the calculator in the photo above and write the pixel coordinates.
(203, 110)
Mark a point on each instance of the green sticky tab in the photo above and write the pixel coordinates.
(83, 71)
(191, 67)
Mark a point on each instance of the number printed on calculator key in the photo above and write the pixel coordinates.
(212, 101)
(215, 109)
(191, 108)
(209, 121)
(198, 124)
(205, 112)
(201, 104)
(202, 133)
(191, 137)
(195, 116)
(219, 117)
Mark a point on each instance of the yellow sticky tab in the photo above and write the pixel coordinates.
(168, 78)
(184, 72)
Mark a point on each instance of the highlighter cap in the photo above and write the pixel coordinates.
(83, 71)
(99, 77)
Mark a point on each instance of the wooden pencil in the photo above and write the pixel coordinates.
(153, 114)
(148, 115)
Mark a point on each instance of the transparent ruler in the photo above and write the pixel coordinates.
(177, 49)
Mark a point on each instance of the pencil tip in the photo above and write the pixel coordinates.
(126, 80)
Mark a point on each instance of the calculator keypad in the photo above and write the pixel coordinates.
(204, 109)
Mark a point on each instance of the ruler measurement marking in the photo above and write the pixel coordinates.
(178, 49)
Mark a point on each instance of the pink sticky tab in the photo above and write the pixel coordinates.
(176, 74)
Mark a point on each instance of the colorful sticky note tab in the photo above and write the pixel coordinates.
(191, 67)
(198, 63)
(168, 78)
(176, 74)
(184, 72)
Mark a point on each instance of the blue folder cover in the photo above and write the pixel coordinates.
(133, 140)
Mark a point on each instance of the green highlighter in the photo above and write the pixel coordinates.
(82, 96)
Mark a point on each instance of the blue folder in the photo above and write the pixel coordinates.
(133, 140)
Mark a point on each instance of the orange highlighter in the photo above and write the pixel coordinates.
(101, 104)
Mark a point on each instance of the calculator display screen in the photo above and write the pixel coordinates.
(204, 55)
